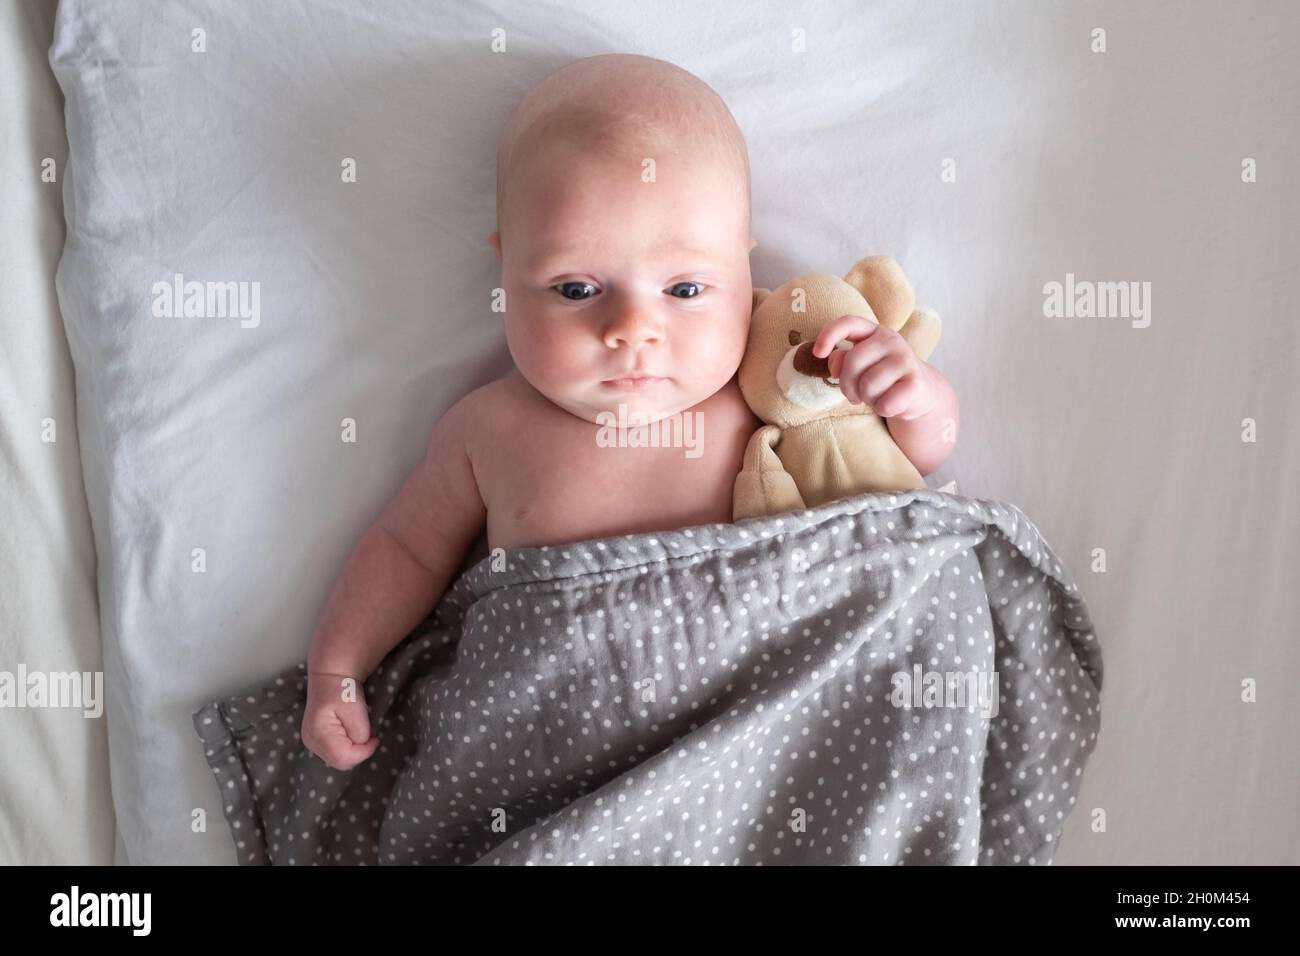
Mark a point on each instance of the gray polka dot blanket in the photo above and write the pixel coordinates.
(890, 678)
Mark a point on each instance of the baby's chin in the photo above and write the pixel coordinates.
(644, 405)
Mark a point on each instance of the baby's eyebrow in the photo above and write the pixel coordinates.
(697, 253)
(576, 254)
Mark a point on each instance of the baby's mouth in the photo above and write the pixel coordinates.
(632, 383)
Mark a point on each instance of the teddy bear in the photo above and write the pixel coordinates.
(816, 447)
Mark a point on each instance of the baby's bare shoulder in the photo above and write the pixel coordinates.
(473, 408)
(502, 396)
(476, 424)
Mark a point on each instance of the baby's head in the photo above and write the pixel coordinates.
(623, 228)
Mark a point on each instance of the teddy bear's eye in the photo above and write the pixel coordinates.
(794, 337)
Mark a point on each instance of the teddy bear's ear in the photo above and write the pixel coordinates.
(883, 284)
(759, 296)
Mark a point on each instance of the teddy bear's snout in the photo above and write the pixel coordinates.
(805, 379)
(805, 363)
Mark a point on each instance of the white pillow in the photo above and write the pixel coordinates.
(223, 495)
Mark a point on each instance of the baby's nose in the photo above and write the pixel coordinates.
(633, 332)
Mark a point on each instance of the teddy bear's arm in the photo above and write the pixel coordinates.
(921, 331)
(763, 486)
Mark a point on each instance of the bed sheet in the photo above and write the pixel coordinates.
(55, 804)
(1020, 159)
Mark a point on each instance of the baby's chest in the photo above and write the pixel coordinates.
(581, 487)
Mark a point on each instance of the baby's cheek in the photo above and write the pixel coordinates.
(714, 346)
(527, 348)
(550, 352)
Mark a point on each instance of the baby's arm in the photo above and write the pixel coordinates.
(393, 578)
(929, 438)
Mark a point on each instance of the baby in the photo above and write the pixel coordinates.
(623, 230)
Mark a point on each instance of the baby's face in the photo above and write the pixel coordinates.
(624, 292)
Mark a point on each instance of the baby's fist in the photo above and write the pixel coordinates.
(336, 724)
(880, 369)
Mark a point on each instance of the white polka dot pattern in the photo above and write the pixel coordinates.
(718, 695)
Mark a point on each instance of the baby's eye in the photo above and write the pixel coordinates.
(689, 290)
(575, 291)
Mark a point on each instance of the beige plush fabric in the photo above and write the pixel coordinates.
(816, 447)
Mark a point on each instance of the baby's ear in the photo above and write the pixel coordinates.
(759, 296)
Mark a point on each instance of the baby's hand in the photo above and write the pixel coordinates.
(880, 369)
(336, 725)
